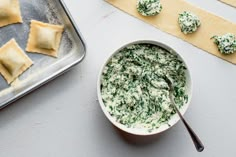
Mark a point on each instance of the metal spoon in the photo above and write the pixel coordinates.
(197, 142)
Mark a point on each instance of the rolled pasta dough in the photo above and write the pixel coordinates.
(167, 21)
(230, 2)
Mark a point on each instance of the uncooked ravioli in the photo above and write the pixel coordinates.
(44, 38)
(13, 61)
(9, 12)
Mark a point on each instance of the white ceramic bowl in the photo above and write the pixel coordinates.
(172, 121)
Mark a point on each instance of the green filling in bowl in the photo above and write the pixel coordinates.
(133, 89)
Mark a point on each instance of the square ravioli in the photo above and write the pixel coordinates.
(9, 12)
(44, 38)
(13, 61)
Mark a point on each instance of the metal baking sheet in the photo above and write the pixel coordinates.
(71, 52)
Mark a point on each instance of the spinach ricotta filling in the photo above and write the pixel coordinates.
(188, 22)
(226, 43)
(149, 7)
(134, 91)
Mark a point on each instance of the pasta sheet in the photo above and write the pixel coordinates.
(230, 2)
(167, 21)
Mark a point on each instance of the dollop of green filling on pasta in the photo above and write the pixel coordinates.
(226, 43)
(188, 22)
(134, 91)
(149, 7)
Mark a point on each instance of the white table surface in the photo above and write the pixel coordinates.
(63, 118)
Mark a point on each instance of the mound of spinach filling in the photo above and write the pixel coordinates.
(226, 43)
(188, 22)
(149, 7)
(134, 91)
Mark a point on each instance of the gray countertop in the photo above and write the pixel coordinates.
(63, 118)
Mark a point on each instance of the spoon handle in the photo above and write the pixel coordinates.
(197, 142)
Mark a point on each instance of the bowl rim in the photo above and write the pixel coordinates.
(175, 118)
